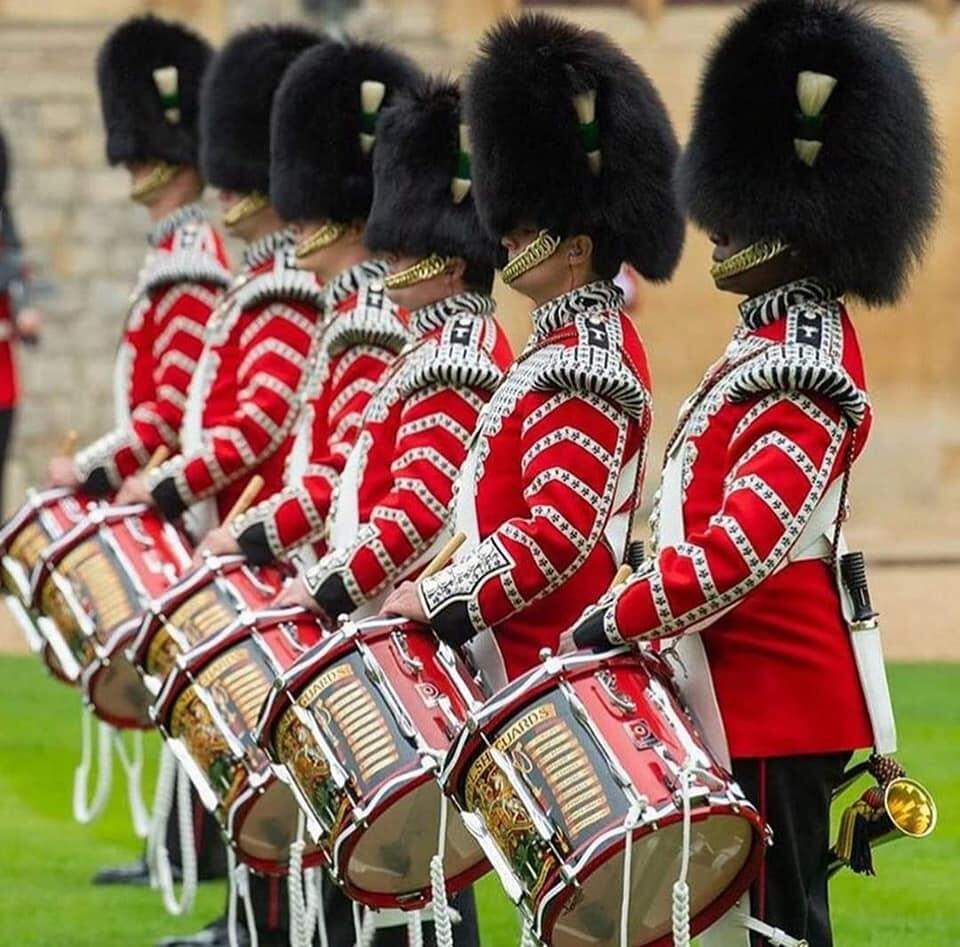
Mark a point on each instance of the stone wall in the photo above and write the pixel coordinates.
(86, 238)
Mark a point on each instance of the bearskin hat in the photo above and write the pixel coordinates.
(422, 200)
(324, 131)
(237, 98)
(570, 134)
(149, 73)
(812, 127)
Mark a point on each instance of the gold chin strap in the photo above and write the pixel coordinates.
(419, 272)
(325, 235)
(748, 258)
(541, 248)
(245, 207)
(161, 174)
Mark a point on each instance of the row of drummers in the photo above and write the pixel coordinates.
(338, 746)
(320, 742)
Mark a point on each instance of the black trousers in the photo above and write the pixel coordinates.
(793, 794)
(6, 431)
(271, 909)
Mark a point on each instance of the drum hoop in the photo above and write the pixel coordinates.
(54, 640)
(36, 503)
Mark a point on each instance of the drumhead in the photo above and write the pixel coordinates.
(268, 828)
(392, 856)
(721, 845)
(119, 696)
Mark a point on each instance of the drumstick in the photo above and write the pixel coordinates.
(623, 573)
(445, 555)
(157, 458)
(68, 445)
(245, 500)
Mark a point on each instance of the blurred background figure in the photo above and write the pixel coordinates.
(19, 320)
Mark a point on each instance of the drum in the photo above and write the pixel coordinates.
(359, 726)
(93, 582)
(207, 710)
(207, 601)
(579, 759)
(44, 517)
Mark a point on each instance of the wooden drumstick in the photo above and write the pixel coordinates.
(68, 445)
(445, 555)
(623, 573)
(245, 500)
(157, 458)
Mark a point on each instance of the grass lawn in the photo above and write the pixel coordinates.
(46, 859)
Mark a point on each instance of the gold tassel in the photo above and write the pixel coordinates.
(813, 92)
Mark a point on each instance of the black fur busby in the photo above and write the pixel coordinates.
(541, 159)
(237, 98)
(149, 73)
(812, 127)
(323, 133)
(423, 201)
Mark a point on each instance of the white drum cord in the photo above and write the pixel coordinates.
(415, 930)
(132, 763)
(629, 823)
(526, 933)
(305, 895)
(238, 879)
(442, 921)
(87, 808)
(172, 777)
(681, 890)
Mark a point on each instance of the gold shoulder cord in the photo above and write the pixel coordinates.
(541, 248)
(420, 271)
(748, 258)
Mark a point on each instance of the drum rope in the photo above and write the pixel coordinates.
(85, 808)
(364, 925)
(321, 918)
(304, 894)
(681, 890)
(629, 823)
(415, 930)
(172, 777)
(526, 934)
(442, 923)
(132, 763)
(238, 879)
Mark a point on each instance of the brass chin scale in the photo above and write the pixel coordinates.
(324, 236)
(246, 207)
(161, 174)
(419, 272)
(748, 258)
(541, 248)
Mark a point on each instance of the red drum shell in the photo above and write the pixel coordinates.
(41, 520)
(383, 859)
(204, 603)
(209, 706)
(629, 699)
(114, 561)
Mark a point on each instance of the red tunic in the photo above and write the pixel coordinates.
(364, 333)
(762, 442)
(547, 491)
(246, 393)
(396, 492)
(184, 275)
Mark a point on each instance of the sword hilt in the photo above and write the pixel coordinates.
(853, 571)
